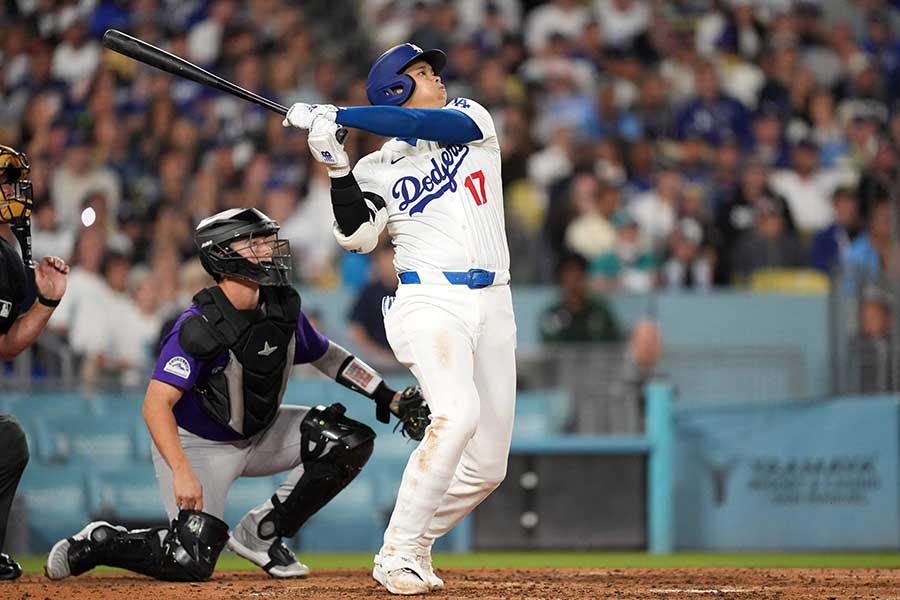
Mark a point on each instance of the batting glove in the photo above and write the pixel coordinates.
(302, 115)
(326, 148)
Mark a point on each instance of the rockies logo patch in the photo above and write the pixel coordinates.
(5, 308)
(179, 366)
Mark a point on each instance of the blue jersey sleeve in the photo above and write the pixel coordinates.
(432, 124)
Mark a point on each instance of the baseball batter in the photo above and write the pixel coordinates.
(214, 411)
(436, 187)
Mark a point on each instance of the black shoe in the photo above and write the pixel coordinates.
(9, 569)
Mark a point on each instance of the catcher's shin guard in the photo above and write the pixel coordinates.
(334, 450)
(186, 551)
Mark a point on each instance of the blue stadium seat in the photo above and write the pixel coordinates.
(118, 404)
(55, 503)
(347, 524)
(129, 493)
(541, 412)
(105, 441)
(46, 405)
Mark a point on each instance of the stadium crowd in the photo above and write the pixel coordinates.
(680, 144)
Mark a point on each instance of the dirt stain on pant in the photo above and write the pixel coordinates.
(442, 348)
(425, 451)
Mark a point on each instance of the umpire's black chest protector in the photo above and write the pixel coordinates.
(244, 394)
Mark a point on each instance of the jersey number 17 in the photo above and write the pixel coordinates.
(478, 193)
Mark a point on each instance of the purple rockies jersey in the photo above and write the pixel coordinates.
(178, 368)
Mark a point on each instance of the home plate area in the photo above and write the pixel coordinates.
(489, 584)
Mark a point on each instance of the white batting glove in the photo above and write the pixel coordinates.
(327, 149)
(302, 115)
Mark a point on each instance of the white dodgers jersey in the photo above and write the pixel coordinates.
(444, 201)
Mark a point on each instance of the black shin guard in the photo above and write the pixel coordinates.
(188, 550)
(334, 451)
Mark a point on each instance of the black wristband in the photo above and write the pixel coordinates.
(383, 397)
(48, 301)
(342, 183)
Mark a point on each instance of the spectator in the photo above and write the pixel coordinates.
(653, 111)
(832, 244)
(100, 323)
(630, 266)
(77, 57)
(872, 353)
(76, 178)
(770, 245)
(825, 129)
(622, 21)
(870, 253)
(590, 232)
(366, 319)
(769, 143)
(808, 189)
(738, 216)
(879, 180)
(47, 237)
(565, 17)
(85, 279)
(712, 115)
(688, 267)
(655, 211)
(645, 350)
(577, 316)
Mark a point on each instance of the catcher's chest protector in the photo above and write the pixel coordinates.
(244, 394)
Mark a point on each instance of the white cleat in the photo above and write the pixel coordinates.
(399, 574)
(278, 561)
(431, 577)
(58, 565)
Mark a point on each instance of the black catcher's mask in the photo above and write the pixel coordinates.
(220, 236)
(17, 197)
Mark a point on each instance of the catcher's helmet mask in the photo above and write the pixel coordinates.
(386, 83)
(17, 194)
(230, 241)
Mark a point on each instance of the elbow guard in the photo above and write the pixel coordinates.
(365, 238)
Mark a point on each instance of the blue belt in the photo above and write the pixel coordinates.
(473, 278)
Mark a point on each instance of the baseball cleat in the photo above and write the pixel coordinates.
(278, 560)
(9, 568)
(435, 582)
(401, 574)
(73, 555)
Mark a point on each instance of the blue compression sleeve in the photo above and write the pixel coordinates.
(433, 124)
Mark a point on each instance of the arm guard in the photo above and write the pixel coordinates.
(353, 373)
(360, 215)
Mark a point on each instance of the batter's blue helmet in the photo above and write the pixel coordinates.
(387, 84)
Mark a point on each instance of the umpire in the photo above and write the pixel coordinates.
(21, 318)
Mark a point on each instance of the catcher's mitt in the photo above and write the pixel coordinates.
(413, 413)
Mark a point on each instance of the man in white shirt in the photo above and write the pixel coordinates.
(808, 189)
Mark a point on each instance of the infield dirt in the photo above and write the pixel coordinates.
(489, 584)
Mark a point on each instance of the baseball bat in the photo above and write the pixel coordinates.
(149, 54)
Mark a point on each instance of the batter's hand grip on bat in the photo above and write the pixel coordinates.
(149, 54)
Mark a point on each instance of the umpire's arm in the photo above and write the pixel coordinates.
(24, 331)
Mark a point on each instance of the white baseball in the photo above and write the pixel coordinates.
(88, 216)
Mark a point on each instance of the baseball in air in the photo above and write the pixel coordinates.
(88, 216)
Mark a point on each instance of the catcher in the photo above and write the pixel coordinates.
(214, 411)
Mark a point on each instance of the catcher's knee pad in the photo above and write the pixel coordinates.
(186, 551)
(334, 450)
